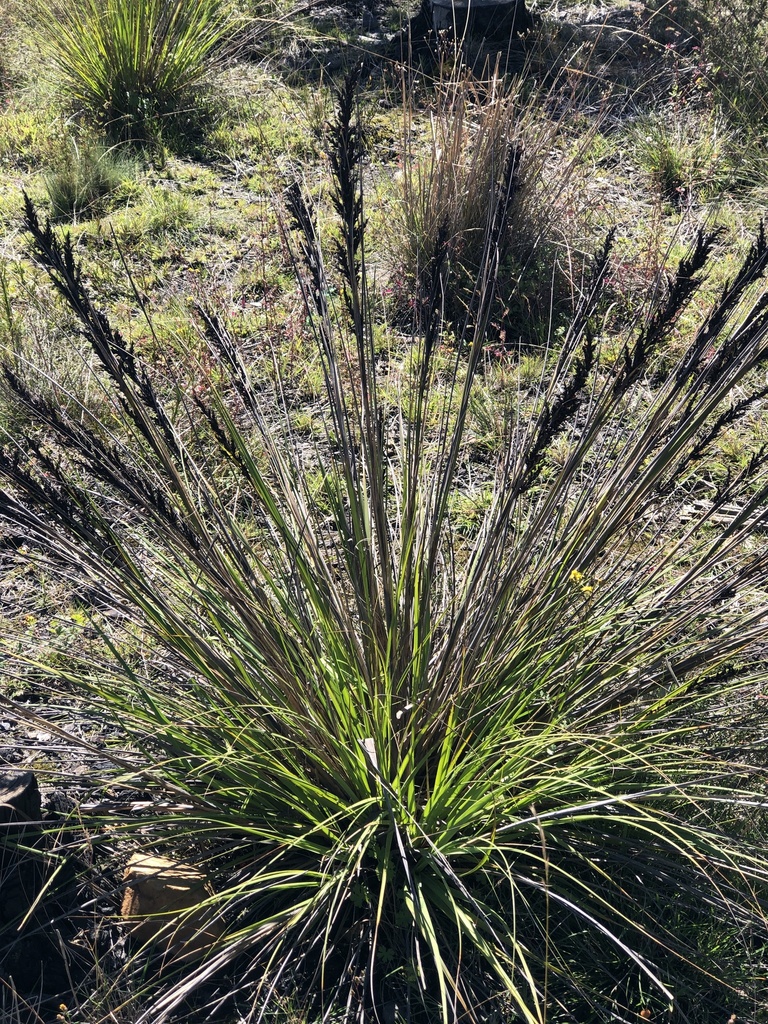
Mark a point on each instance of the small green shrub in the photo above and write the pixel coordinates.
(85, 180)
(500, 774)
(136, 66)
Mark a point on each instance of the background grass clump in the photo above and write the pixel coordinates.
(134, 68)
(451, 159)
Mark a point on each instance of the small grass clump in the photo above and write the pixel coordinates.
(437, 771)
(28, 136)
(163, 212)
(687, 156)
(81, 186)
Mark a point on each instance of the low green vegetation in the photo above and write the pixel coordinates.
(383, 487)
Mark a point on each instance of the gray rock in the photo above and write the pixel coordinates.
(19, 798)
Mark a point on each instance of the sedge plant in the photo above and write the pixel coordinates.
(433, 775)
(137, 66)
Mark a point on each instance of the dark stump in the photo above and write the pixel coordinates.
(487, 19)
(32, 930)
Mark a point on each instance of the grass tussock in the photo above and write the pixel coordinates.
(135, 67)
(434, 774)
(80, 187)
(451, 163)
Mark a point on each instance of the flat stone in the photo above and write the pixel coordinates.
(159, 891)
